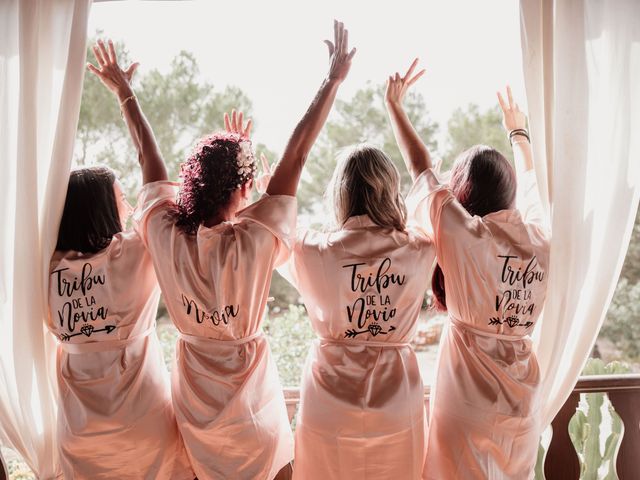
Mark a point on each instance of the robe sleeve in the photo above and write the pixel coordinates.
(154, 198)
(277, 215)
(528, 199)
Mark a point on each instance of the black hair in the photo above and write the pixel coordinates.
(209, 176)
(90, 218)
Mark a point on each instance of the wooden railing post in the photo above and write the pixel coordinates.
(4, 473)
(627, 405)
(561, 461)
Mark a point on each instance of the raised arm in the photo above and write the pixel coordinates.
(515, 123)
(528, 196)
(414, 151)
(119, 82)
(287, 173)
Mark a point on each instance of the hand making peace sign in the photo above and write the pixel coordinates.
(397, 86)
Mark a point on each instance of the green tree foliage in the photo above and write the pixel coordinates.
(631, 267)
(361, 119)
(622, 325)
(179, 104)
(471, 126)
(290, 337)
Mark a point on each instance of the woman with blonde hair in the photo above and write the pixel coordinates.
(491, 279)
(363, 283)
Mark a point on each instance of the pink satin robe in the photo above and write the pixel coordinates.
(115, 417)
(226, 390)
(484, 405)
(361, 412)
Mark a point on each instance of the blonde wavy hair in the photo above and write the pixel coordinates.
(366, 182)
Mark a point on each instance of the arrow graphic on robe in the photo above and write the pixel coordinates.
(87, 330)
(374, 329)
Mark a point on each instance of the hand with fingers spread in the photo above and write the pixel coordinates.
(286, 175)
(512, 117)
(109, 72)
(262, 182)
(234, 124)
(339, 54)
(397, 86)
(119, 82)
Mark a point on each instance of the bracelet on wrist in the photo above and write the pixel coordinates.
(519, 132)
(124, 102)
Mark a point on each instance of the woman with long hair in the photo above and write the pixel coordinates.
(115, 416)
(214, 254)
(363, 283)
(491, 280)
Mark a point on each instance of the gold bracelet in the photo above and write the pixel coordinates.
(122, 103)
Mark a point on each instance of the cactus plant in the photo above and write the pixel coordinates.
(539, 470)
(584, 427)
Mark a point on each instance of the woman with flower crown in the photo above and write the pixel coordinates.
(214, 254)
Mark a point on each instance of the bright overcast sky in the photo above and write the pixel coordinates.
(273, 49)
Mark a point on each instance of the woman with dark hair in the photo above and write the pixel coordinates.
(493, 260)
(115, 417)
(214, 255)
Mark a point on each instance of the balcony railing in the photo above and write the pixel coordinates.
(561, 461)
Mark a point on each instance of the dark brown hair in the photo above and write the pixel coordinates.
(366, 182)
(209, 176)
(483, 181)
(90, 217)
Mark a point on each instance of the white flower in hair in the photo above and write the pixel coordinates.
(245, 159)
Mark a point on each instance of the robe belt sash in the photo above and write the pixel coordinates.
(205, 341)
(484, 333)
(367, 343)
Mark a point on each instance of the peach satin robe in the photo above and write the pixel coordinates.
(362, 410)
(226, 390)
(115, 417)
(484, 406)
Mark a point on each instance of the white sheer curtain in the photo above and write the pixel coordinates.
(42, 55)
(582, 74)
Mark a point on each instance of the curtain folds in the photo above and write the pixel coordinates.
(42, 55)
(581, 61)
